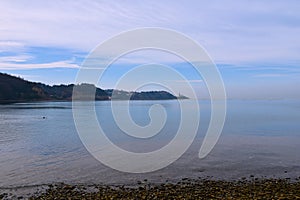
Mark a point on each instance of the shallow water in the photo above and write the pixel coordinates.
(39, 143)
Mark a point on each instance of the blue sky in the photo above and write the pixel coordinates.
(255, 44)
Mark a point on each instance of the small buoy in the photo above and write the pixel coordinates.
(44, 117)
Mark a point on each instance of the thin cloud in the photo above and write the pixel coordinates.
(232, 33)
(18, 66)
(269, 75)
(190, 81)
(11, 46)
(19, 58)
(282, 67)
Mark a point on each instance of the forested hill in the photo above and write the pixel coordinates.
(14, 89)
(149, 95)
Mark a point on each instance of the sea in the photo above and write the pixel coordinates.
(40, 145)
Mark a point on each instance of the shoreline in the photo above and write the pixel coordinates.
(11, 102)
(202, 188)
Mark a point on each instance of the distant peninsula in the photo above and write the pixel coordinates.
(15, 89)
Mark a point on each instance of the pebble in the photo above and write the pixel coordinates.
(195, 189)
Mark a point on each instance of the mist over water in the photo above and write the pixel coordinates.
(39, 143)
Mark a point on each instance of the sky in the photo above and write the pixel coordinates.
(255, 44)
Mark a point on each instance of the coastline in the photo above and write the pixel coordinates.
(244, 188)
(8, 102)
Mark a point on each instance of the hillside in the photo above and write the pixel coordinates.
(149, 95)
(14, 89)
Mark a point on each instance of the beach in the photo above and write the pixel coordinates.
(246, 188)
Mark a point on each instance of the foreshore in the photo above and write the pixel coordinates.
(253, 188)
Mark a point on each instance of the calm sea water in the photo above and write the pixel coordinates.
(39, 143)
